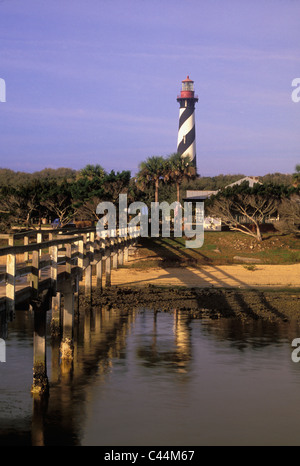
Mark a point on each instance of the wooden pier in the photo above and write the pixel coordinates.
(51, 264)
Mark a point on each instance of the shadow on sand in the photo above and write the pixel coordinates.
(199, 290)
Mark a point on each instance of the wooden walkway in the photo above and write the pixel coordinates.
(65, 256)
(56, 265)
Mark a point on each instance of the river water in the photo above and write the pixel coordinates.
(153, 378)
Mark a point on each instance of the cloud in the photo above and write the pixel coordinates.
(78, 117)
(214, 52)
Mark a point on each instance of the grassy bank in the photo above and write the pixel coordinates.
(219, 248)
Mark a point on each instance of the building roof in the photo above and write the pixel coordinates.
(252, 180)
(194, 195)
(202, 195)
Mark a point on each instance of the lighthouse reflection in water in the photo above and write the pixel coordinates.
(154, 378)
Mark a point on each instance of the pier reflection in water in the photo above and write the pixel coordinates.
(153, 378)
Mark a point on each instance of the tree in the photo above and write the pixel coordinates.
(151, 172)
(92, 172)
(55, 174)
(112, 185)
(85, 188)
(276, 178)
(296, 176)
(289, 214)
(88, 185)
(21, 203)
(58, 200)
(9, 207)
(115, 184)
(87, 210)
(178, 169)
(244, 209)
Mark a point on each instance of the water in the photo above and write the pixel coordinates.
(153, 378)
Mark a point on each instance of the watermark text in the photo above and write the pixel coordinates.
(2, 350)
(296, 92)
(2, 90)
(187, 220)
(296, 351)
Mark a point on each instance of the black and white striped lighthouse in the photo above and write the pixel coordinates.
(186, 143)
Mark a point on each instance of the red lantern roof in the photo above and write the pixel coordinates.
(187, 80)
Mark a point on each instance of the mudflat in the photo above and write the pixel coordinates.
(267, 292)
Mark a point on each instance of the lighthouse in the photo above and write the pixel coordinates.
(186, 143)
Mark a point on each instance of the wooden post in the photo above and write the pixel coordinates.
(35, 274)
(68, 314)
(108, 268)
(26, 254)
(50, 248)
(80, 254)
(40, 380)
(76, 296)
(114, 246)
(115, 260)
(126, 253)
(102, 247)
(10, 282)
(92, 244)
(66, 348)
(68, 259)
(120, 252)
(99, 267)
(39, 239)
(56, 317)
(88, 280)
(84, 244)
(97, 244)
(54, 259)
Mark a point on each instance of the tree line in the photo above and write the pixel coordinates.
(17, 178)
(246, 209)
(63, 197)
(68, 194)
(240, 207)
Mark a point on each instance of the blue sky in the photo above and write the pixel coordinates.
(96, 81)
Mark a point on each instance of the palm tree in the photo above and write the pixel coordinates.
(92, 172)
(179, 169)
(151, 171)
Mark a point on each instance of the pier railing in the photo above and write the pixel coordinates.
(39, 264)
(57, 265)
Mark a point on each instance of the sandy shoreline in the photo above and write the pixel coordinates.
(231, 276)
